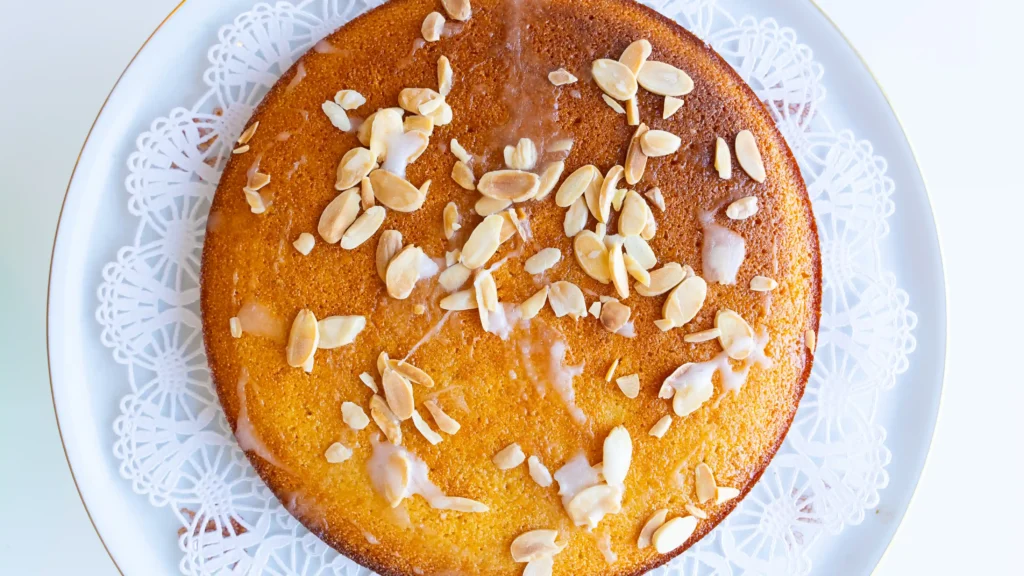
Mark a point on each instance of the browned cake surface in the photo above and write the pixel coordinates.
(249, 258)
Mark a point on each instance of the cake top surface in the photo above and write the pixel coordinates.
(479, 291)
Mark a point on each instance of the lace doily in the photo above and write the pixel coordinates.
(174, 444)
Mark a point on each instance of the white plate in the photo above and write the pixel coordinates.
(95, 222)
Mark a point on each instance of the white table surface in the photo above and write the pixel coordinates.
(952, 70)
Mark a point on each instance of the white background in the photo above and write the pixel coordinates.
(952, 70)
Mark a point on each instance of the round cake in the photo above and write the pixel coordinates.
(522, 286)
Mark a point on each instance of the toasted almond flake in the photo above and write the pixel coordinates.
(539, 472)
(664, 79)
(592, 255)
(446, 423)
(595, 309)
(419, 309)
(618, 453)
(354, 416)
(388, 245)
(367, 379)
(304, 243)
(576, 218)
(672, 105)
(636, 157)
(661, 280)
(618, 199)
(419, 123)
(614, 78)
(403, 272)
(514, 185)
(610, 373)
(532, 305)
(640, 250)
(657, 143)
(634, 215)
(653, 523)
(396, 193)
(561, 77)
(629, 385)
(431, 106)
(548, 178)
(483, 242)
(458, 301)
(386, 123)
(723, 160)
(236, 327)
(763, 284)
(661, 427)
(685, 301)
(737, 337)
(593, 195)
(543, 260)
(614, 316)
(354, 166)
(656, 198)
(454, 277)
(524, 155)
(673, 534)
(459, 504)
(432, 26)
(691, 393)
(366, 225)
(486, 206)
(724, 494)
(336, 114)
(590, 505)
(749, 156)
(613, 104)
(810, 340)
(634, 269)
(302, 339)
(451, 258)
(366, 198)
(463, 175)
(257, 181)
(651, 228)
(241, 149)
(443, 115)
(696, 512)
(509, 457)
(385, 419)
(704, 480)
(566, 298)
(248, 133)
(634, 56)
(337, 331)
(574, 186)
(608, 188)
(397, 479)
(617, 270)
(421, 425)
(535, 545)
(486, 290)
(337, 453)
(632, 112)
(349, 99)
(664, 324)
(338, 216)
(460, 10)
(450, 220)
(398, 393)
(702, 336)
(742, 209)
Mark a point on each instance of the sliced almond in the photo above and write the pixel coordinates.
(463, 175)
(450, 220)
(457, 301)
(431, 107)
(610, 373)
(614, 316)
(451, 257)
(337, 453)
(608, 188)
(673, 534)
(629, 385)
(632, 112)
(403, 272)
(763, 284)
(672, 105)
(636, 157)
(398, 476)
(692, 392)
(593, 195)
(664, 79)
(454, 277)
(811, 340)
(410, 372)
(367, 379)
(749, 156)
(509, 457)
(652, 524)
(443, 115)
(634, 56)
(548, 178)
(595, 309)
(617, 270)
(566, 298)
(486, 206)
(459, 504)
(458, 9)
(532, 305)
(304, 243)
(385, 419)
(651, 228)
(349, 99)
(432, 26)
(576, 218)
(366, 198)
(561, 77)
(561, 145)
(539, 472)
(386, 123)
(704, 480)
(618, 453)
(486, 291)
(590, 505)
(742, 209)
(634, 215)
(514, 185)
(574, 186)
(723, 160)
(396, 193)
(737, 337)
(248, 133)
(696, 512)
(540, 567)
(337, 331)
(398, 393)
(614, 78)
(425, 430)
(388, 245)
(446, 423)
(543, 260)
(656, 198)
(338, 216)
(235, 325)
(241, 149)
(661, 427)
(524, 155)
(618, 199)
(460, 152)
(685, 301)
(534, 545)
(723, 494)
(592, 255)
(336, 114)
(640, 250)
(657, 143)
(365, 226)
(302, 339)
(613, 104)
(483, 242)
(661, 280)
(354, 416)
(702, 336)
(634, 269)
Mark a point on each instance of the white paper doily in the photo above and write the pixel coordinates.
(176, 448)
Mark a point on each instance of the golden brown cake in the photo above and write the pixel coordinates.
(650, 362)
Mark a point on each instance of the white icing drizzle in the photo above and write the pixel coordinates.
(300, 75)
(555, 372)
(248, 438)
(419, 481)
(700, 374)
(604, 544)
(502, 321)
(257, 320)
(722, 252)
(628, 330)
(575, 476)
(434, 330)
(325, 47)
(400, 146)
